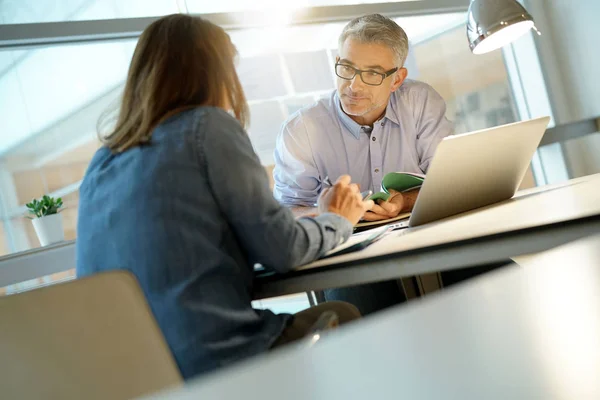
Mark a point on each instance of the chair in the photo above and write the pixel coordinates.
(328, 321)
(92, 338)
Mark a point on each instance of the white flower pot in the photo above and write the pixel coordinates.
(49, 229)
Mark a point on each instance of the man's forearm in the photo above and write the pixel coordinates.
(303, 211)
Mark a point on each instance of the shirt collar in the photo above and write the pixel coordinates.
(354, 127)
(390, 111)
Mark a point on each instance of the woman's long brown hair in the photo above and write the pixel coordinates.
(180, 62)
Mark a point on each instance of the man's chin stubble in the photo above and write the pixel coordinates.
(360, 114)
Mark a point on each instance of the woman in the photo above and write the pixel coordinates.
(178, 197)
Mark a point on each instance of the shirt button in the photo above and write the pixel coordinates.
(382, 124)
(373, 138)
(376, 170)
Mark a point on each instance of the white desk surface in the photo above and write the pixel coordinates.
(528, 332)
(534, 220)
(576, 198)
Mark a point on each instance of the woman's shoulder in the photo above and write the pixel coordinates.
(203, 116)
(196, 124)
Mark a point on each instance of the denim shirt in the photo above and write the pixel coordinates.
(190, 214)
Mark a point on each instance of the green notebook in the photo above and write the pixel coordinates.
(398, 181)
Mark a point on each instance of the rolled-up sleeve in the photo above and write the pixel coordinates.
(297, 181)
(268, 232)
(432, 124)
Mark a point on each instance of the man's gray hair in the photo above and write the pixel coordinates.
(375, 28)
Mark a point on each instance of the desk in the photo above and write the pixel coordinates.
(526, 332)
(534, 220)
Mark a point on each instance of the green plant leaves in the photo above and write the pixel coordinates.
(45, 206)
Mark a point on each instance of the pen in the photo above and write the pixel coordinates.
(364, 194)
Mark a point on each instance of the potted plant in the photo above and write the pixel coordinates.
(47, 222)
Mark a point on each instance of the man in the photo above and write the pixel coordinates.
(376, 122)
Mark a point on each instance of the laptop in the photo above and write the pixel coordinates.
(476, 169)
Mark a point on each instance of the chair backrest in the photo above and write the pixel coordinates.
(92, 338)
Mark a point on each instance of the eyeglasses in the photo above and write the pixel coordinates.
(369, 77)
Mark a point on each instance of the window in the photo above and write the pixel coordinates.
(286, 68)
(202, 6)
(51, 98)
(50, 101)
(49, 104)
(476, 88)
(34, 11)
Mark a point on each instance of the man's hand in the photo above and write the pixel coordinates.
(396, 204)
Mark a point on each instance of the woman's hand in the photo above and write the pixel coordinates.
(344, 199)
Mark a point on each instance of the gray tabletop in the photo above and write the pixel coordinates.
(526, 332)
(534, 220)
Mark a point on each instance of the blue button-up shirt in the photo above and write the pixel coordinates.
(190, 214)
(322, 140)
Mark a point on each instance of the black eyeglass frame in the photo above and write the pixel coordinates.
(384, 75)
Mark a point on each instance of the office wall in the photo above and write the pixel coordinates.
(570, 57)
